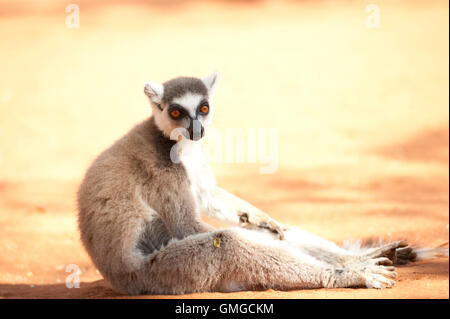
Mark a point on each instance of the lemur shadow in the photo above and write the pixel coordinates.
(95, 289)
(435, 269)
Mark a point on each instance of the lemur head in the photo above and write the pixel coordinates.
(182, 103)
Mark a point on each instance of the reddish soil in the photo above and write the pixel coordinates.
(362, 117)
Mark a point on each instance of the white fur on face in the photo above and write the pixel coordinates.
(189, 101)
(162, 120)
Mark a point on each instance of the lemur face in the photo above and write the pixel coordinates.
(182, 105)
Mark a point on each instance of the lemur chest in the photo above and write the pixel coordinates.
(200, 176)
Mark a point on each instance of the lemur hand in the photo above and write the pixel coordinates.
(256, 219)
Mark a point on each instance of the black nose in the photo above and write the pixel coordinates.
(196, 130)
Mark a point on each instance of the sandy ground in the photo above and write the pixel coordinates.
(362, 118)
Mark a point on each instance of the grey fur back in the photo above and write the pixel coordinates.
(119, 197)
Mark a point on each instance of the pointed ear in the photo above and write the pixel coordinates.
(211, 82)
(154, 91)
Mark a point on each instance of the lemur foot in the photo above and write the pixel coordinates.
(391, 251)
(405, 255)
(375, 272)
(378, 265)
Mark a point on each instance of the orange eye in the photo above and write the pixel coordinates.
(204, 109)
(175, 113)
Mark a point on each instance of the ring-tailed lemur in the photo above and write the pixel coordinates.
(139, 216)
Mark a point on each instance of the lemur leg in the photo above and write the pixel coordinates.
(239, 259)
(330, 252)
(320, 248)
(228, 207)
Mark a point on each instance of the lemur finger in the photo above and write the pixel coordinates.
(399, 244)
(273, 227)
(386, 281)
(372, 283)
(388, 271)
(387, 250)
(388, 268)
(378, 281)
(277, 229)
(382, 261)
(280, 233)
(394, 245)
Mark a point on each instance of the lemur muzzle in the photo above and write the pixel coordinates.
(196, 130)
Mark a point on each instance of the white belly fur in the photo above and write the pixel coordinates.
(199, 173)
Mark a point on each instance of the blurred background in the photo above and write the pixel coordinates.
(358, 91)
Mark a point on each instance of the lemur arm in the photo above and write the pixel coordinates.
(230, 208)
